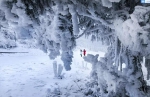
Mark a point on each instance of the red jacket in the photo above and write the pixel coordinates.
(84, 52)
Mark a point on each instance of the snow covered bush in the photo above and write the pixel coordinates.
(111, 82)
(7, 39)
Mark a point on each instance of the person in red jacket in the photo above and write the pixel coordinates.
(84, 52)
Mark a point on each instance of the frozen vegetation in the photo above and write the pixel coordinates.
(58, 28)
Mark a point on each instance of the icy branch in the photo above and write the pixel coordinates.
(97, 19)
(85, 31)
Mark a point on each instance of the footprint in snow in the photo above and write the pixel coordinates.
(30, 69)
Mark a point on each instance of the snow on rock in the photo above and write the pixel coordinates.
(91, 58)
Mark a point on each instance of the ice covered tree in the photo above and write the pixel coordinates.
(49, 22)
(123, 25)
(121, 31)
(7, 36)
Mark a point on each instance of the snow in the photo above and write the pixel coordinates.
(114, 0)
(31, 74)
(95, 46)
(34, 74)
(107, 3)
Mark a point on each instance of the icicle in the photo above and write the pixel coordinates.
(147, 65)
(55, 68)
(126, 57)
(116, 52)
(74, 19)
(120, 58)
(60, 69)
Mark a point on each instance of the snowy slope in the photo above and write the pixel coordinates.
(31, 74)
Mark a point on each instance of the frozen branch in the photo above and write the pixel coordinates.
(85, 31)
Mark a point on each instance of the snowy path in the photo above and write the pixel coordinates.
(31, 75)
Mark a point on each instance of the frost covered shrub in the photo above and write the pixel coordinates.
(7, 39)
(113, 83)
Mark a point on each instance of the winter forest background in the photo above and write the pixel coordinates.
(54, 26)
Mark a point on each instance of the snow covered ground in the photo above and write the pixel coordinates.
(31, 74)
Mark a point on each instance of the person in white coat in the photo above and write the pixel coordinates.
(81, 53)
